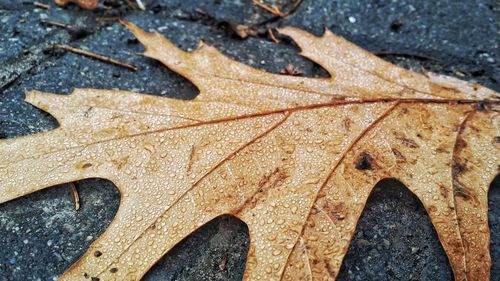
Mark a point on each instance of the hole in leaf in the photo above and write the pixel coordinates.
(46, 235)
(216, 251)
(395, 240)
(494, 222)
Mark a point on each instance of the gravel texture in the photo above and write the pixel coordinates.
(41, 234)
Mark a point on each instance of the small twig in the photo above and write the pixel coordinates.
(132, 54)
(107, 18)
(41, 5)
(404, 54)
(295, 6)
(58, 24)
(95, 56)
(76, 197)
(271, 35)
(273, 10)
(75, 31)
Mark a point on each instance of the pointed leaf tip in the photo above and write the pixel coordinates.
(138, 32)
(50, 103)
(39, 99)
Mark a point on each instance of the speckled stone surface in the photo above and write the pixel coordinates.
(41, 234)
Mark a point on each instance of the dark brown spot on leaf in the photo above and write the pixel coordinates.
(346, 124)
(409, 143)
(268, 182)
(364, 161)
(459, 168)
(398, 154)
(444, 190)
(97, 254)
(338, 211)
(330, 270)
(481, 106)
(460, 144)
(460, 191)
(441, 150)
(431, 209)
(113, 270)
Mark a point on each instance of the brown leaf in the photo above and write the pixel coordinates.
(85, 4)
(295, 158)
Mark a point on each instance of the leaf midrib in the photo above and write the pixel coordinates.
(267, 113)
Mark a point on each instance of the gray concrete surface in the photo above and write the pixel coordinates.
(41, 234)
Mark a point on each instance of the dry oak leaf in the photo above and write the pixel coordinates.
(295, 158)
(85, 4)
